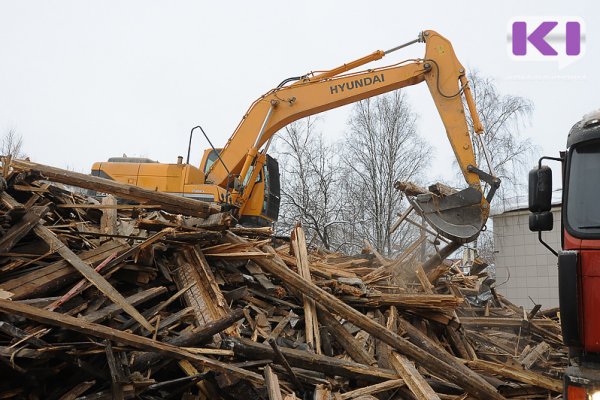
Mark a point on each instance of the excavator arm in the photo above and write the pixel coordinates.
(460, 216)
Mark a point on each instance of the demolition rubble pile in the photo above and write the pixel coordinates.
(168, 299)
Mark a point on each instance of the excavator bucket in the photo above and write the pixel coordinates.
(459, 216)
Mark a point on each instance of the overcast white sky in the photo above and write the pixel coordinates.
(83, 81)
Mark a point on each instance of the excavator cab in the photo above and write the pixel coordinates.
(262, 206)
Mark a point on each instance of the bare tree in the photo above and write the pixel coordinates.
(381, 147)
(502, 116)
(12, 144)
(310, 175)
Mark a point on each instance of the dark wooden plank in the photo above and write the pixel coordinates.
(143, 361)
(247, 349)
(114, 309)
(140, 342)
(341, 335)
(22, 228)
(116, 372)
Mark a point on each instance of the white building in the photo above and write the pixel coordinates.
(524, 267)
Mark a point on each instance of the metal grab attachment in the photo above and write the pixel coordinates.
(457, 217)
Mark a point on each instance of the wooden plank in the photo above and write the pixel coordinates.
(373, 389)
(204, 296)
(452, 371)
(272, 383)
(413, 379)
(190, 370)
(89, 273)
(456, 341)
(108, 206)
(116, 372)
(401, 218)
(537, 352)
(374, 251)
(198, 336)
(109, 220)
(242, 255)
(168, 202)
(427, 286)
(113, 309)
(260, 276)
(248, 349)
(44, 281)
(500, 322)
(22, 228)
(412, 301)
(529, 377)
(353, 347)
(77, 390)
(140, 342)
(313, 335)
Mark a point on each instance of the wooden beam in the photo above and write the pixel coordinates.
(168, 202)
(311, 322)
(22, 228)
(109, 221)
(114, 309)
(89, 273)
(420, 301)
(353, 347)
(107, 206)
(529, 377)
(204, 296)
(140, 342)
(440, 256)
(247, 349)
(272, 383)
(420, 339)
(401, 218)
(116, 372)
(424, 280)
(77, 390)
(413, 379)
(373, 389)
(52, 277)
(199, 336)
(469, 381)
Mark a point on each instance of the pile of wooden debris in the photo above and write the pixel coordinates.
(167, 299)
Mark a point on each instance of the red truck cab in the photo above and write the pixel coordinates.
(579, 259)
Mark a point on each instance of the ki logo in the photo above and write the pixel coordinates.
(558, 39)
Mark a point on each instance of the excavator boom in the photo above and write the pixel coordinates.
(243, 175)
(460, 216)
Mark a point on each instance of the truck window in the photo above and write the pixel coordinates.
(583, 214)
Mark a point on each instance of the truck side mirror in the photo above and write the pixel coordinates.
(540, 199)
(540, 189)
(541, 221)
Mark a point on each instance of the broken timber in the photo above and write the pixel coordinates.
(168, 202)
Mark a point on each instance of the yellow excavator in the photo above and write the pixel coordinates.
(245, 178)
